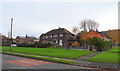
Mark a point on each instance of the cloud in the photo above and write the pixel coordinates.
(37, 18)
(59, 1)
(109, 21)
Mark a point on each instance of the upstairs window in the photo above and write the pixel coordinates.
(60, 35)
(50, 36)
(45, 37)
(55, 35)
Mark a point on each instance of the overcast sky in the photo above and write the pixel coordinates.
(35, 18)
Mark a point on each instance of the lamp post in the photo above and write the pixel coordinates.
(84, 35)
(11, 34)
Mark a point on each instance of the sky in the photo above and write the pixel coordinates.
(35, 18)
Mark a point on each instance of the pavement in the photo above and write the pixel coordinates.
(81, 61)
(87, 56)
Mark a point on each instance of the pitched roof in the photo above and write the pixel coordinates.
(21, 36)
(59, 31)
(104, 33)
(25, 37)
(95, 34)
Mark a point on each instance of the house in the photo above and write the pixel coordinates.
(5, 40)
(86, 35)
(91, 33)
(27, 39)
(114, 35)
(58, 37)
(20, 39)
(105, 35)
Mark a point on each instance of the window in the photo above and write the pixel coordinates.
(46, 37)
(60, 35)
(50, 36)
(55, 35)
(43, 37)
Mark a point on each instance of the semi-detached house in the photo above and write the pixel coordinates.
(58, 37)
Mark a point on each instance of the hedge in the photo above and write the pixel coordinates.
(37, 45)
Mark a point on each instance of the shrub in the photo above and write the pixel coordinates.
(38, 45)
(26, 45)
(41, 45)
(5, 44)
(99, 43)
(75, 44)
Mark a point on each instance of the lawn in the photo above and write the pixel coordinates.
(117, 49)
(51, 52)
(110, 56)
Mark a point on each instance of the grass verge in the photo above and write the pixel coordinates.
(42, 58)
(116, 49)
(110, 56)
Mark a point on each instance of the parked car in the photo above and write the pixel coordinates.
(13, 45)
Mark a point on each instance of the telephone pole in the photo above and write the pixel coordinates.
(11, 33)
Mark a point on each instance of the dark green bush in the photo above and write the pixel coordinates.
(41, 45)
(26, 45)
(6, 44)
(99, 43)
(37, 45)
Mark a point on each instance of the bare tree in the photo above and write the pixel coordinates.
(75, 30)
(88, 25)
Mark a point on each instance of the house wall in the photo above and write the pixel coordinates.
(6, 41)
(20, 40)
(29, 40)
(26, 39)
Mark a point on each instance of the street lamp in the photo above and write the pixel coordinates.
(11, 34)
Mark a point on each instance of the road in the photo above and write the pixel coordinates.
(16, 62)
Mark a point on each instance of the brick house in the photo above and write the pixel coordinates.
(5, 41)
(20, 39)
(86, 35)
(105, 35)
(58, 37)
(92, 33)
(26, 39)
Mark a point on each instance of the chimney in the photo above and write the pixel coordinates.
(59, 28)
(26, 35)
(97, 30)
